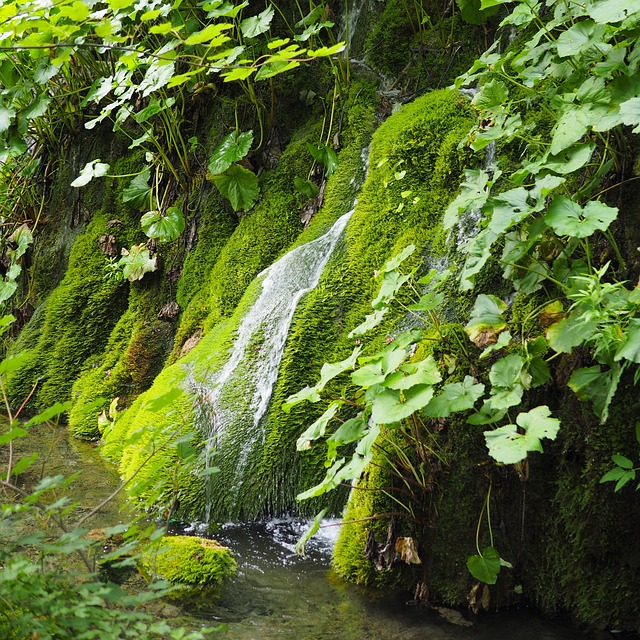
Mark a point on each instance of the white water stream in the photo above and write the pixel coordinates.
(252, 366)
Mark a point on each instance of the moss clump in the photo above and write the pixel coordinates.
(196, 565)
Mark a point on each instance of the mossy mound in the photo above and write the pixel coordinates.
(197, 566)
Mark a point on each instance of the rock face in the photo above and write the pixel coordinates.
(570, 540)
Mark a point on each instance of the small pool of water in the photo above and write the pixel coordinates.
(279, 595)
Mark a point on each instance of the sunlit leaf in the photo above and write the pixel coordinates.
(232, 149)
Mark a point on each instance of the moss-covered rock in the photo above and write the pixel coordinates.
(198, 566)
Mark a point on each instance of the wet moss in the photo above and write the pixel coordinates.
(197, 566)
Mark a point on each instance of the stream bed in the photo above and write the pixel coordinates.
(278, 595)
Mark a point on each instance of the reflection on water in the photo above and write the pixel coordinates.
(278, 595)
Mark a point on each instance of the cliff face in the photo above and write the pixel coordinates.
(201, 375)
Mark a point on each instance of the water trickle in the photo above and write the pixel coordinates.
(240, 391)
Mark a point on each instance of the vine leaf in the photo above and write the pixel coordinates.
(456, 396)
(568, 218)
(232, 149)
(390, 405)
(136, 262)
(508, 445)
(486, 567)
(254, 26)
(165, 227)
(630, 113)
(138, 192)
(239, 185)
(630, 349)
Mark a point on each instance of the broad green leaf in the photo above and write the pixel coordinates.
(393, 263)
(324, 52)
(474, 192)
(239, 73)
(349, 431)
(630, 113)
(37, 108)
(428, 302)
(254, 26)
(389, 406)
(14, 362)
(566, 217)
(456, 396)
(486, 567)
(307, 394)
(507, 445)
(598, 387)
(239, 185)
(209, 33)
(312, 16)
(571, 159)
(630, 349)
(570, 332)
(165, 227)
(371, 320)
(479, 251)
(330, 370)
(503, 398)
(392, 282)
(369, 375)
(492, 95)
(509, 208)
(414, 373)
(571, 127)
(6, 116)
(139, 192)
(576, 39)
(232, 149)
(506, 372)
(317, 429)
(608, 11)
(486, 319)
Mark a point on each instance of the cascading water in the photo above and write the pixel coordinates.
(234, 399)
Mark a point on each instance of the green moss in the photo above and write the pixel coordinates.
(197, 565)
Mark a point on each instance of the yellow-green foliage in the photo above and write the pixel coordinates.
(197, 565)
(81, 311)
(424, 136)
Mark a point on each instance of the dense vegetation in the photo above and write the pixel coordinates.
(498, 216)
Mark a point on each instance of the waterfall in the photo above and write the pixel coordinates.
(234, 398)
